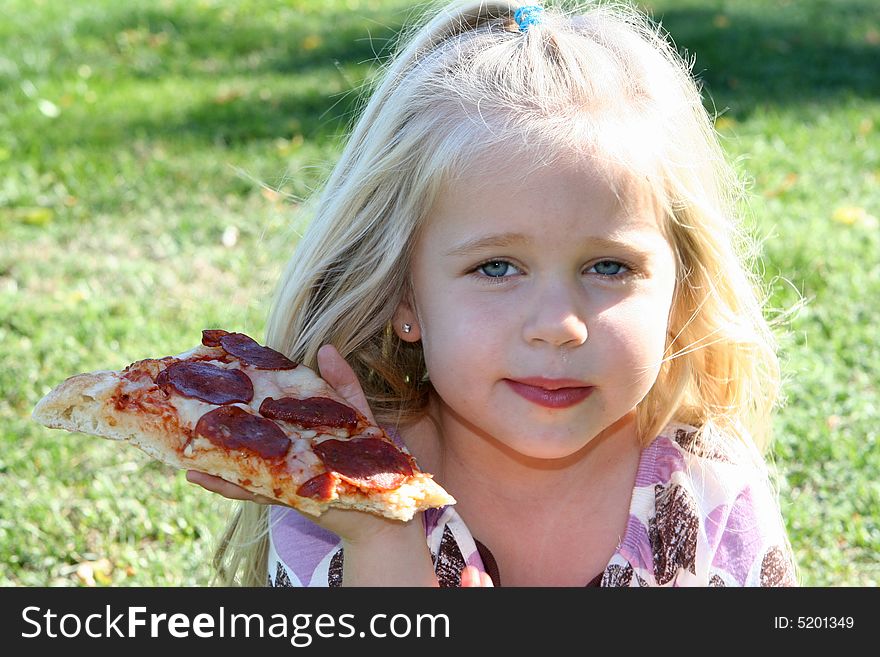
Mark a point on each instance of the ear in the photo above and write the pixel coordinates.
(404, 315)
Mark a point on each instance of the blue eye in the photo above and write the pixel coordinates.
(609, 268)
(497, 268)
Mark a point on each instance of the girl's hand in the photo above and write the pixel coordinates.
(473, 577)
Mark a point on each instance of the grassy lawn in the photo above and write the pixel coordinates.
(152, 156)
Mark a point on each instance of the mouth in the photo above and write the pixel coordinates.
(551, 393)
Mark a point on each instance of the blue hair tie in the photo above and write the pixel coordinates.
(528, 15)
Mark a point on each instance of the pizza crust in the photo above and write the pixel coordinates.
(76, 405)
(83, 403)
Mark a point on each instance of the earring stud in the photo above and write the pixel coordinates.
(407, 328)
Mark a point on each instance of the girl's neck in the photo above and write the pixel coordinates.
(472, 464)
(546, 522)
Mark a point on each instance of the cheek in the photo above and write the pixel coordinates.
(451, 341)
(463, 343)
(631, 341)
(453, 323)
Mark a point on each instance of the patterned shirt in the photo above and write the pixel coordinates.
(693, 521)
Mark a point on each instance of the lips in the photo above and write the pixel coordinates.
(550, 393)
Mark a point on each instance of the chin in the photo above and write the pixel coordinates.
(549, 448)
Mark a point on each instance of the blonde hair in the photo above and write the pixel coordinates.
(599, 80)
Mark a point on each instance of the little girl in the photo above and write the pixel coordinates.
(526, 267)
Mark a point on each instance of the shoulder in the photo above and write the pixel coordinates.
(709, 514)
(717, 469)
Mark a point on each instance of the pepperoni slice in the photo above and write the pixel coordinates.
(210, 383)
(233, 427)
(320, 487)
(310, 413)
(365, 462)
(249, 351)
(211, 337)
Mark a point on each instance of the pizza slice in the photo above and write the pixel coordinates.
(244, 412)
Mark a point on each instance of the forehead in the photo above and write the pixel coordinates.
(541, 190)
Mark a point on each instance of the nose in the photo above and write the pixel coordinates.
(556, 320)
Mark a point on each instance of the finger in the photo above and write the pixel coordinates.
(467, 577)
(338, 373)
(473, 577)
(225, 488)
(218, 485)
(470, 577)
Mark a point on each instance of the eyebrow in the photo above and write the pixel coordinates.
(504, 240)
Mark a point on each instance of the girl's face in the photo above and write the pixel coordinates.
(541, 302)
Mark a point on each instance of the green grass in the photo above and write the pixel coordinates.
(131, 137)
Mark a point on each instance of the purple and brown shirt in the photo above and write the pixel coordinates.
(693, 521)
